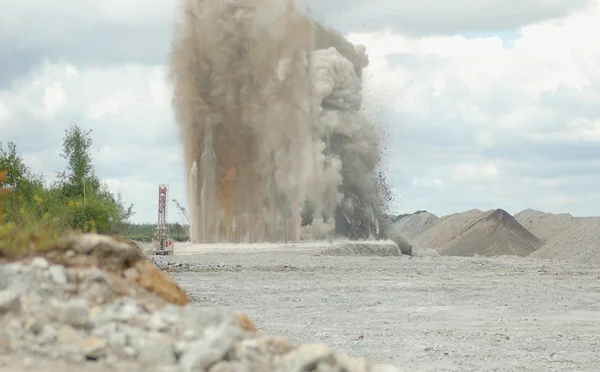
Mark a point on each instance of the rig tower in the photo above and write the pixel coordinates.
(162, 244)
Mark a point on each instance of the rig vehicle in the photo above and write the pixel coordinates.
(162, 244)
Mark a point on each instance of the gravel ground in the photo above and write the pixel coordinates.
(425, 314)
(98, 304)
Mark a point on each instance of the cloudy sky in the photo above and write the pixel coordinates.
(486, 103)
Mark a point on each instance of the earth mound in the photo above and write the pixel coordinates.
(414, 224)
(491, 233)
(545, 225)
(578, 242)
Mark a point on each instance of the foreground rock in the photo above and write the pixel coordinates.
(100, 305)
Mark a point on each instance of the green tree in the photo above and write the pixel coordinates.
(27, 187)
(79, 179)
(90, 201)
(78, 199)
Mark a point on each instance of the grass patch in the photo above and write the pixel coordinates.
(34, 238)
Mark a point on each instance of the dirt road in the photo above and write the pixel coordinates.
(424, 314)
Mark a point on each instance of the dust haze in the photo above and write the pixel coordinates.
(268, 104)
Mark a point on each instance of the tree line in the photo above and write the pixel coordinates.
(144, 232)
(77, 199)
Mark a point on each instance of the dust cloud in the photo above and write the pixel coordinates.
(268, 104)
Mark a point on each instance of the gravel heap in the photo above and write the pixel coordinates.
(492, 233)
(545, 225)
(116, 315)
(566, 238)
(578, 243)
(414, 224)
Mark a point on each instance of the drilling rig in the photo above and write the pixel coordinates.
(162, 244)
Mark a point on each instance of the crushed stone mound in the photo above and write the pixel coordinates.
(414, 224)
(85, 308)
(123, 263)
(491, 233)
(447, 228)
(578, 243)
(545, 225)
(362, 248)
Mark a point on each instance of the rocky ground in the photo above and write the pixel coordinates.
(423, 314)
(99, 305)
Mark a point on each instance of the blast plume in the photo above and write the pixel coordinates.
(268, 105)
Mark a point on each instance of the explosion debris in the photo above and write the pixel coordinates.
(268, 104)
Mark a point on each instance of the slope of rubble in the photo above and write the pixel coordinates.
(566, 238)
(579, 242)
(491, 233)
(545, 225)
(446, 228)
(97, 304)
(415, 223)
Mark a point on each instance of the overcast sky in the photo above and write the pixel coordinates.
(487, 104)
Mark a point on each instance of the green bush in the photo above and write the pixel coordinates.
(37, 236)
(76, 201)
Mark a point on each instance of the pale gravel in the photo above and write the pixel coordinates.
(414, 224)
(490, 233)
(567, 238)
(425, 314)
(54, 318)
(545, 225)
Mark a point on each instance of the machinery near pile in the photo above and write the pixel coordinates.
(162, 244)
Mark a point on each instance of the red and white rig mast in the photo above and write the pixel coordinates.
(162, 243)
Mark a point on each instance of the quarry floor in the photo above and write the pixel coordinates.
(424, 314)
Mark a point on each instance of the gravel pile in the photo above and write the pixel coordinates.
(579, 243)
(545, 225)
(414, 224)
(87, 315)
(566, 238)
(491, 233)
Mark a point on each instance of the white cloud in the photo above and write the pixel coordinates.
(577, 131)
(71, 71)
(591, 132)
(54, 99)
(474, 173)
(4, 113)
(476, 109)
(103, 108)
(440, 16)
(484, 140)
(420, 182)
